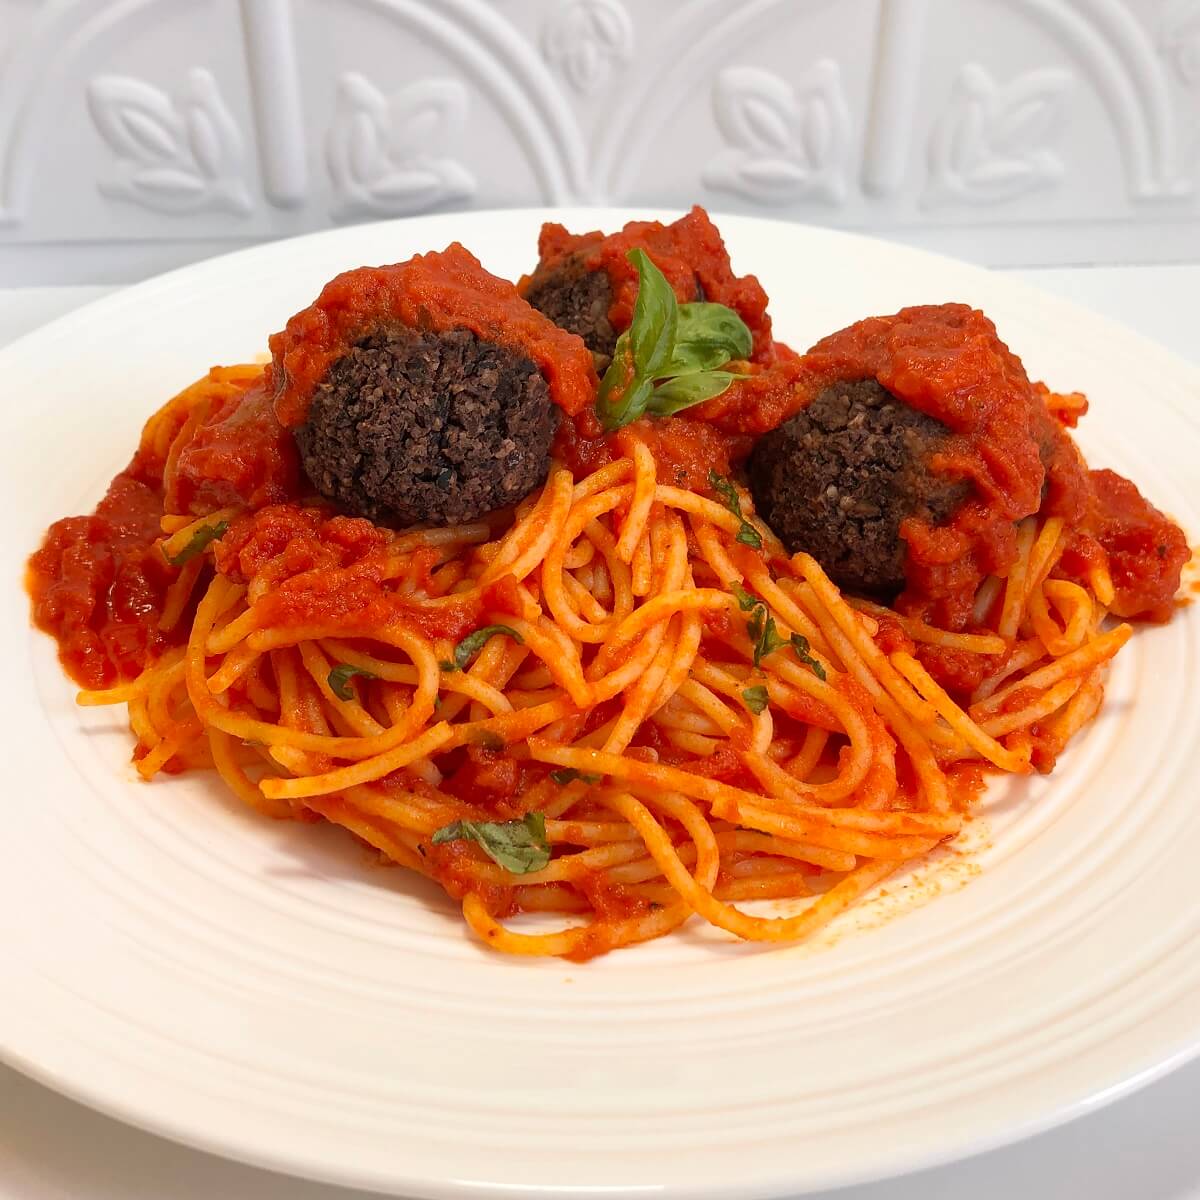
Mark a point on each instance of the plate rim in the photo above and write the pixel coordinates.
(95, 1096)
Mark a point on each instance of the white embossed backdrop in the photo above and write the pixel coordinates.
(139, 134)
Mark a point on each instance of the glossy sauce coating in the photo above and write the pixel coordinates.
(689, 252)
(98, 583)
(436, 291)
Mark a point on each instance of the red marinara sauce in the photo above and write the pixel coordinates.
(97, 584)
(689, 252)
(1145, 551)
(239, 455)
(439, 292)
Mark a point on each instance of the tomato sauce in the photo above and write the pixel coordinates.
(240, 455)
(689, 252)
(341, 573)
(1144, 550)
(98, 585)
(439, 292)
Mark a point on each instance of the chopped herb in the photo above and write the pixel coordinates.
(804, 654)
(490, 741)
(727, 492)
(197, 543)
(746, 601)
(756, 698)
(747, 534)
(760, 626)
(339, 679)
(668, 358)
(517, 846)
(473, 643)
(768, 641)
(569, 775)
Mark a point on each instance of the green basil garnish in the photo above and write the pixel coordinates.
(804, 654)
(667, 359)
(685, 390)
(198, 543)
(517, 846)
(756, 698)
(760, 627)
(655, 318)
(339, 679)
(569, 775)
(747, 534)
(473, 643)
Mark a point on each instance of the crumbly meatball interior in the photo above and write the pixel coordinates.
(576, 299)
(416, 427)
(838, 479)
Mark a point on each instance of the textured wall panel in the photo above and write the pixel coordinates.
(135, 134)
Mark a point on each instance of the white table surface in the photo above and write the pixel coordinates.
(1145, 1147)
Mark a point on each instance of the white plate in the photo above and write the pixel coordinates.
(258, 990)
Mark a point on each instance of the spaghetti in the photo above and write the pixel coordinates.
(608, 704)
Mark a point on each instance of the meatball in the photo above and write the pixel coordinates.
(838, 479)
(426, 390)
(577, 299)
(586, 284)
(413, 426)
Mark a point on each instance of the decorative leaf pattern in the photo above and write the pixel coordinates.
(991, 142)
(174, 155)
(588, 40)
(381, 151)
(784, 142)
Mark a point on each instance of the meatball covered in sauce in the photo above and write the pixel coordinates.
(840, 477)
(586, 284)
(426, 392)
(907, 450)
(413, 426)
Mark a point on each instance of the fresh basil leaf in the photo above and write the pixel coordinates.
(569, 775)
(473, 643)
(746, 600)
(768, 640)
(804, 654)
(620, 410)
(754, 626)
(707, 336)
(197, 543)
(692, 358)
(339, 679)
(714, 325)
(619, 380)
(756, 698)
(749, 536)
(517, 846)
(726, 492)
(655, 315)
(685, 391)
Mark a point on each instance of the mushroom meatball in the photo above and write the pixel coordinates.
(428, 391)
(428, 427)
(585, 282)
(839, 478)
(578, 299)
